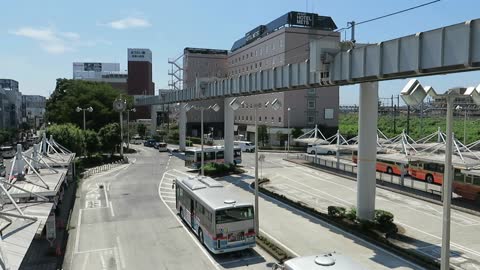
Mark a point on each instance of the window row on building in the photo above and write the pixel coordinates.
(266, 63)
(266, 50)
(260, 118)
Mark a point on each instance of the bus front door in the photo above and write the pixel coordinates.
(192, 215)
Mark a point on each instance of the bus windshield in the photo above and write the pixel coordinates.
(234, 214)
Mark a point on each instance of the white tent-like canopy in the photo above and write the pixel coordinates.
(314, 136)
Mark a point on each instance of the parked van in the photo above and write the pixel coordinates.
(330, 261)
(245, 146)
(319, 150)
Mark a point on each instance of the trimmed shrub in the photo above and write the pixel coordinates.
(351, 214)
(336, 211)
(382, 217)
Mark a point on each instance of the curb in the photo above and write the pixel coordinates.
(425, 262)
(456, 207)
(273, 248)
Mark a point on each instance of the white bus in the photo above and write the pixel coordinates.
(222, 221)
(215, 154)
(330, 261)
(7, 151)
(245, 146)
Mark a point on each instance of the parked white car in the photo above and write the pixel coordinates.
(319, 150)
(245, 146)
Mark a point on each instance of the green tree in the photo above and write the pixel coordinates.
(92, 143)
(110, 137)
(297, 132)
(70, 94)
(263, 134)
(69, 136)
(142, 130)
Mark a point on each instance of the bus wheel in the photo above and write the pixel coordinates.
(200, 236)
(389, 170)
(429, 178)
(313, 152)
(329, 152)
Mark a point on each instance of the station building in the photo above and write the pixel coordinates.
(280, 42)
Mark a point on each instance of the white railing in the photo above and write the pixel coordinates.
(102, 168)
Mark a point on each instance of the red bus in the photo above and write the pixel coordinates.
(464, 184)
(384, 165)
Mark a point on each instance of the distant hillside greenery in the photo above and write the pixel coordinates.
(349, 126)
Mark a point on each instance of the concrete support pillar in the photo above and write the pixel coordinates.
(182, 127)
(153, 121)
(228, 130)
(19, 163)
(44, 144)
(367, 150)
(35, 157)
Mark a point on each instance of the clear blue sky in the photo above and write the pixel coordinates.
(41, 39)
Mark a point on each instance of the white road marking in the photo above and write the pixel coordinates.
(167, 196)
(117, 258)
(111, 209)
(325, 224)
(345, 203)
(102, 260)
(107, 202)
(194, 239)
(463, 248)
(93, 250)
(77, 236)
(120, 253)
(84, 265)
(168, 201)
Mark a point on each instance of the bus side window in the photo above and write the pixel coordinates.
(476, 180)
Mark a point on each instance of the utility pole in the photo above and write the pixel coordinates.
(352, 31)
(408, 119)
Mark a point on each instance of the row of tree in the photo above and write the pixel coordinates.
(70, 94)
(87, 142)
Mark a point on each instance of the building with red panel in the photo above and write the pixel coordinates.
(139, 81)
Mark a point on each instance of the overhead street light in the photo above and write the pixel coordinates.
(89, 109)
(215, 107)
(275, 104)
(413, 94)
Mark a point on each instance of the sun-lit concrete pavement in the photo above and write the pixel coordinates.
(120, 221)
(421, 220)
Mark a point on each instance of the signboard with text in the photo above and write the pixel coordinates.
(141, 55)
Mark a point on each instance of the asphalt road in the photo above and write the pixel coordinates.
(123, 220)
(421, 220)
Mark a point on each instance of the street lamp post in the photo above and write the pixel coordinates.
(215, 107)
(458, 108)
(89, 109)
(414, 93)
(289, 131)
(235, 105)
(128, 126)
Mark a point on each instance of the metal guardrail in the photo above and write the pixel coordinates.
(103, 168)
(383, 177)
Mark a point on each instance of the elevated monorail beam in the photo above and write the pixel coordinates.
(450, 49)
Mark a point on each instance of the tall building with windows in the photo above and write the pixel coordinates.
(101, 72)
(10, 104)
(33, 110)
(139, 81)
(282, 41)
